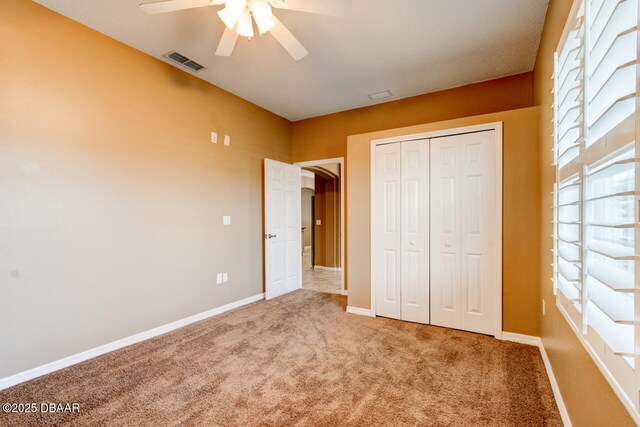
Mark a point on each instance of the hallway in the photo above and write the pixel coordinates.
(319, 280)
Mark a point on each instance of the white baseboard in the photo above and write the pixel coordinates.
(564, 414)
(522, 339)
(115, 345)
(322, 267)
(537, 341)
(344, 292)
(359, 311)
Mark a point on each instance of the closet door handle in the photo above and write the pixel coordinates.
(447, 244)
(412, 243)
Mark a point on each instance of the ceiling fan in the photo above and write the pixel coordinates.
(239, 16)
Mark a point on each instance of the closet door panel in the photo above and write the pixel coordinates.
(388, 257)
(477, 232)
(415, 231)
(445, 231)
(463, 250)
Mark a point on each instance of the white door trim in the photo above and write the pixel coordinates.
(497, 127)
(321, 162)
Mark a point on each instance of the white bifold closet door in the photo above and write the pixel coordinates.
(402, 229)
(463, 221)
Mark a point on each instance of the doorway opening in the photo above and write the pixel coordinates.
(322, 229)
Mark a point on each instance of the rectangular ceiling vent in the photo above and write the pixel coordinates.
(183, 61)
(380, 95)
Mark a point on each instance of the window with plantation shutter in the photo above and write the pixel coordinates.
(597, 194)
(569, 89)
(569, 84)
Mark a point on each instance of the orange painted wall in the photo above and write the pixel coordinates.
(326, 136)
(327, 211)
(111, 192)
(588, 397)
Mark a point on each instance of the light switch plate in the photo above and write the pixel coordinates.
(227, 140)
(318, 222)
(226, 220)
(214, 137)
(225, 278)
(218, 278)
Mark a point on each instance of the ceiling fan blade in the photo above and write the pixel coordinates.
(173, 5)
(287, 40)
(227, 42)
(322, 7)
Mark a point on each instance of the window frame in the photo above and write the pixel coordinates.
(621, 372)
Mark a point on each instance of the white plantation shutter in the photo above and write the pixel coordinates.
(569, 247)
(569, 87)
(612, 57)
(569, 142)
(598, 192)
(610, 213)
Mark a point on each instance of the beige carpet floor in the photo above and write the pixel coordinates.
(301, 360)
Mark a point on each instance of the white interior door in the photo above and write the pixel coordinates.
(388, 260)
(463, 219)
(402, 231)
(415, 231)
(282, 220)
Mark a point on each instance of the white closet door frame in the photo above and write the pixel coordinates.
(497, 127)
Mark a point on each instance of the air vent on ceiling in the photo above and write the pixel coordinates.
(380, 95)
(183, 61)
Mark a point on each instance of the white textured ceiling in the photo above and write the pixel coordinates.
(407, 46)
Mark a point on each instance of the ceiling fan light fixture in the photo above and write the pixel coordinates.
(236, 5)
(262, 14)
(245, 25)
(232, 12)
(228, 17)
